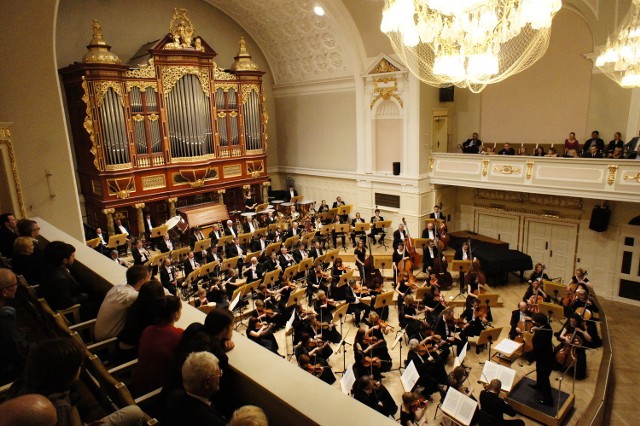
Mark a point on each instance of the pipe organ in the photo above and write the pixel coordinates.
(168, 128)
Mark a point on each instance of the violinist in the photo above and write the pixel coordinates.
(538, 273)
(445, 327)
(217, 293)
(456, 380)
(322, 372)
(574, 332)
(492, 404)
(376, 332)
(412, 409)
(476, 318)
(262, 333)
(265, 315)
(324, 307)
(435, 302)
(403, 290)
(430, 368)
(374, 395)
(439, 344)
(301, 323)
(520, 316)
(317, 279)
(336, 272)
(365, 362)
(315, 348)
(356, 306)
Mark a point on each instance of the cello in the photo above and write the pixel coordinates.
(371, 273)
(475, 274)
(409, 247)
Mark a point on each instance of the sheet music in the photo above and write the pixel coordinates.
(459, 406)
(508, 347)
(494, 370)
(463, 353)
(409, 377)
(347, 381)
(289, 325)
(233, 304)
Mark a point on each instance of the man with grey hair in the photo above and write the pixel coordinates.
(192, 406)
(13, 341)
(496, 407)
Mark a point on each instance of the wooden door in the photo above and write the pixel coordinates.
(439, 132)
(553, 245)
(628, 268)
(503, 228)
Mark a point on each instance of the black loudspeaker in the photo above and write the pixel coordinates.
(396, 168)
(446, 94)
(600, 218)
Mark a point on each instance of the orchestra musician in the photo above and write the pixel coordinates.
(254, 271)
(115, 257)
(463, 253)
(324, 207)
(273, 262)
(403, 290)
(230, 229)
(285, 258)
(376, 232)
(262, 333)
(398, 255)
(456, 379)
(189, 265)
(317, 280)
(291, 192)
(324, 308)
(337, 270)
(316, 349)
(476, 319)
(322, 372)
(359, 256)
(166, 245)
(356, 306)
(429, 232)
(168, 276)
(374, 395)
(357, 234)
(584, 303)
(276, 235)
(293, 231)
(215, 234)
(412, 409)
(411, 316)
(249, 225)
(437, 214)
(493, 405)
(535, 294)
(365, 363)
(249, 202)
(300, 254)
(344, 218)
(574, 332)
(376, 332)
(399, 236)
(445, 327)
(429, 254)
(317, 250)
(260, 245)
(139, 253)
(538, 273)
(519, 316)
(196, 236)
(121, 229)
(430, 367)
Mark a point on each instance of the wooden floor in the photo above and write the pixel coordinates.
(510, 294)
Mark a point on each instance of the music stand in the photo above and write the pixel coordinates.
(238, 293)
(290, 272)
(193, 276)
(296, 199)
(262, 206)
(245, 238)
(208, 268)
(330, 256)
(250, 288)
(223, 241)
(551, 310)
(344, 278)
(489, 299)
(305, 265)
(273, 247)
(383, 300)
(248, 256)
(272, 227)
(177, 254)
(229, 263)
(202, 245)
(489, 336)
(382, 262)
(338, 315)
(382, 225)
(158, 231)
(295, 297)
(271, 277)
(341, 229)
(319, 260)
(306, 238)
(116, 241)
(421, 243)
(258, 233)
(559, 291)
(325, 232)
(291, 241)
(421, 291)
(344, 210)
(462, 266)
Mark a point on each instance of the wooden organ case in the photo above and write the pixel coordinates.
(169, 129)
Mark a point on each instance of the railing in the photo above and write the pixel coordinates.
(605, 179)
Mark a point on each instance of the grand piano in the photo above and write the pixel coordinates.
(496, 259)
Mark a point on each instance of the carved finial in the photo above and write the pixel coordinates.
(98, 50)
(243, 60)
(181, 30)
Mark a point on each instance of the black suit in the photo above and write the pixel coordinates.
(597, 141)
(214, 237)
(232, 250)
(515, 319)
(543, 355)
(427, 258)
(440, 215)
(288, 197)
(252, 275)
(398, 237)
(60, 288)
(496, 407)
(227, 231)
(138, 258)
(507, 151)
(187, 266)
(471, 147)
(7, 237)
(167, 277)
(375, 232)
(183, 409)
(164, 247)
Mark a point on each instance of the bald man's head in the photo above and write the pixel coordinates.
(28, 410)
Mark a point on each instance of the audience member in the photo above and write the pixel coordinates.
(539, 152)
(113, 311)
(13, 341)
(594, 141)
(571, 144)
(551, 152)
(507, 150)
(158, 346)
(28, 228)
(28, 410)
(26, 260)
(632, 148)
(201, 379)
(472, 146)
(249, 415)
(617, 142)
(8, 234)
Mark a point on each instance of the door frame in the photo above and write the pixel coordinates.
(525, 234)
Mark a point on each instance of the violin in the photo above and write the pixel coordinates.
(384, 326)
(265, 312)
(372, 362)
(358, 289)
(314, 369)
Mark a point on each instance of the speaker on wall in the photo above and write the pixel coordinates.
(396, 168)
(600, 218)
(446, 94)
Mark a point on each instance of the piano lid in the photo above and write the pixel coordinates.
(204, 214)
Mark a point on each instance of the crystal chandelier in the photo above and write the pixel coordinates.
(620, 59)
(468, 43)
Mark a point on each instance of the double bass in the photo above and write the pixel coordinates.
(407, 265)
(445, 280)
(475, 274)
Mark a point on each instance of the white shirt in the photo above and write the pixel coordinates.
(123, 230)
(113, 311)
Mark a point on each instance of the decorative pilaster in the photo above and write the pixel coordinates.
(111, 229)
(140, 217)
(172, 206)
(221, 196)
(265, 191)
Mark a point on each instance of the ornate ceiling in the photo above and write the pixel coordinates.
(299, 45)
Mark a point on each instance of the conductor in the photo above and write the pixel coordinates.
(543, 356)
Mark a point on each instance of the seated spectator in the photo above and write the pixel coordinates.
(13, 340)
(201, 379)
(595, 141)
(571, 153)
(551, 152)
(249, 415)
(539, 152)
(28, 228)
(28, 410)
(158, 347)
(58, 286)
(571, 144)
(26, 260)
(8, 234)
(142, 313)
(617, 142)
(523, 151)
(593, 152)
(113, 311)
(53, 366)
(507, 150)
